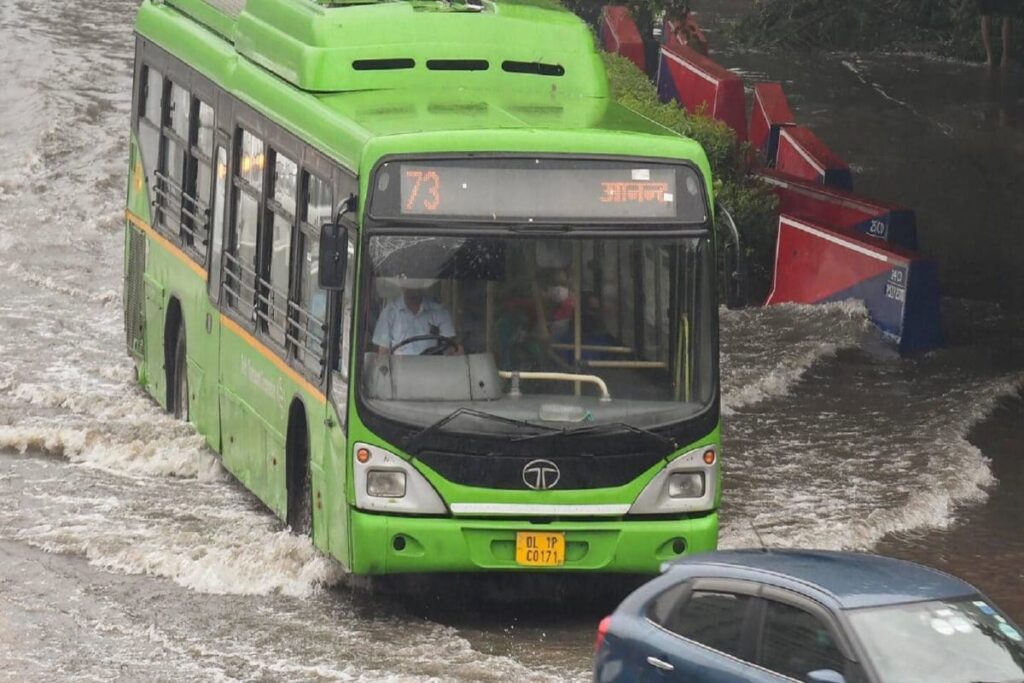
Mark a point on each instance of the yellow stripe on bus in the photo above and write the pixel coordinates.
(166, 244)
(272, 357)
(226, 321)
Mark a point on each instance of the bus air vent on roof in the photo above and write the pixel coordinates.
(478, 108)
(457, 64)
(382, 64)
(538, 68)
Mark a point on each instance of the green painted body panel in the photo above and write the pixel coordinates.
(462, 545)
(291, 61)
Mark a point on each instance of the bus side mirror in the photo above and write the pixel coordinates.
(333, 257)
(735, 265)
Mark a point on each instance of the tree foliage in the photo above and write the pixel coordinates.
(948, 27)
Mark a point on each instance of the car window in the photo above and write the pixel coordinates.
(713, 619)
(796, 642)
(667, 603)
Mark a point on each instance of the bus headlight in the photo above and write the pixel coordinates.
(385, 484)
(686, 485)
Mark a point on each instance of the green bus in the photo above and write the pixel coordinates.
(432, 296)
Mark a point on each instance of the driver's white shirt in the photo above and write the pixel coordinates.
(397, 323)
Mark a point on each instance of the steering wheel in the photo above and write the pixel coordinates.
(443, 344)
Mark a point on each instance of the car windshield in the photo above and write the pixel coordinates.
(561, 332)
(941, 641)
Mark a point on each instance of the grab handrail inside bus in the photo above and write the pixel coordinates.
(515, 376)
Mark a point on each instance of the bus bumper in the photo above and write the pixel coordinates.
(386, 544)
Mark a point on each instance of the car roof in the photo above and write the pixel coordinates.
(853, 580)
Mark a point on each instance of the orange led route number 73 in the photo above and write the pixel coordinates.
(430, 183)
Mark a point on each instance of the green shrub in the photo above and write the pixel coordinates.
(631, 88)
(752, 205)
(755, 208)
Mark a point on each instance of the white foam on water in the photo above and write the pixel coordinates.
(178, 455)
(767, 351)
(105, 297)
(234, 561)
(850, 488)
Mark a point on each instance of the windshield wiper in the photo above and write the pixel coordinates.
(413, 444)
(604, 428)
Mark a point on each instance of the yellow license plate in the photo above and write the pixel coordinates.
(540, 549)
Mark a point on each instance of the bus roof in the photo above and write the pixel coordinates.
(330, 47)
(304, 65)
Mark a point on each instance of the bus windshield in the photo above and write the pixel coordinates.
(545, 332)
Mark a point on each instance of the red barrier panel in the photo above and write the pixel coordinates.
(620, 35)
(770, 113)
(802, 154)
(694, 81)
(688, 33)
(815, 264)
(880, 221)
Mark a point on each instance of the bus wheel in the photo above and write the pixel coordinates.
(300, 494)
(180, 387)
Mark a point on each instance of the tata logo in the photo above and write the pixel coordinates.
(541, 475)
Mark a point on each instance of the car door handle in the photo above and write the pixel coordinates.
(660, 664)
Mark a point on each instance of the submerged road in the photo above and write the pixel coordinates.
(127, 554)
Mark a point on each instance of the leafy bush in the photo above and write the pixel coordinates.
(752, 205)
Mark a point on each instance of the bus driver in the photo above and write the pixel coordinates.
(413, 315)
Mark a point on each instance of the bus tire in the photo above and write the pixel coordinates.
(179, 390)
(300, 489)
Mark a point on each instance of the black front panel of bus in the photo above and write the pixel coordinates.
(585, 461)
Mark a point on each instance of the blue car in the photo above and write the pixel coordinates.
(749, 616)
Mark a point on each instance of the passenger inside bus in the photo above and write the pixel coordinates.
(595, 333)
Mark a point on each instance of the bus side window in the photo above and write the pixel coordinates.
(278, 254)
(195, 223)
(174, 139)
(309, 320)
(150, 107)
(217, 212)
(240, 253)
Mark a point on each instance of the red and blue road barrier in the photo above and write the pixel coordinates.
(770, 114)
(620, 35)
(832, 245)
(697, 82)
(817, 264)
(802, 154)
(882, 222)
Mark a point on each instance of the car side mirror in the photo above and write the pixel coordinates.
(825, 676)
(333, 257)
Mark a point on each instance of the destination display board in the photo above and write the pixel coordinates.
(539, 190)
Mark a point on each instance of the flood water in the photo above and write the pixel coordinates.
(127, 554)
